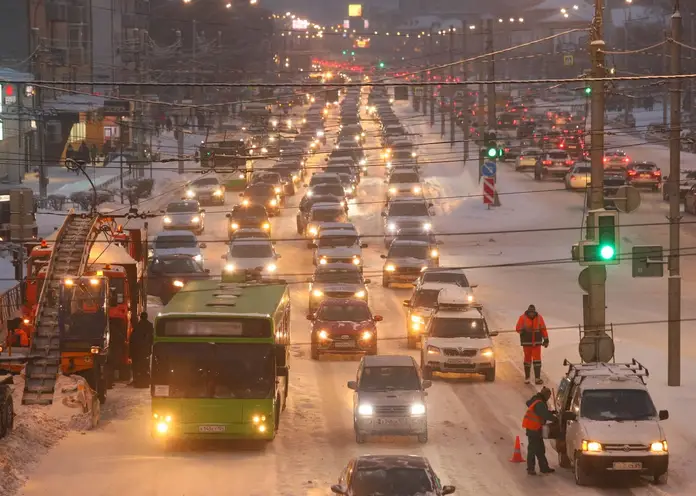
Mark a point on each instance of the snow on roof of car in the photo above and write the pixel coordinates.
(388, 361)
(391, 461)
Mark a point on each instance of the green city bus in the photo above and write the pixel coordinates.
(220, 362)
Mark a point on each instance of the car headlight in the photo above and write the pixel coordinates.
(313, 231)
(234, 226)
(659, 447)
(265, 226)
(217, 192)
(229, 267)
(356, 137)
(295, 178)
(391, 227)
(413, 154)
(366, 335)
(390, 267)
(196, 220)
(417, 319)
(167, 220)
(392, 191)
(416, 189)
(434, 253)
(348, 189)
(271, 267)
(278, 189)
(389, 164)
(360, 294)
(178, 284)
(591, 446)
(427, 226)
(317, 293)
(190, 193)
(323, 261)
(323, 335)
(365, 410)
(264, 150)
(433, 350)
(363, 162)
(245, 202)
(273, 202)
(487, 352)
(320, 134)
(418, 409)
(356, 260)
(198, 258)
(274, 123)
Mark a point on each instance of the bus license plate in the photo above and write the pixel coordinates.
(628, 466)
(345, 344)
(211, 428)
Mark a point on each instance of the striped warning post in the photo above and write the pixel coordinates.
(488, 190)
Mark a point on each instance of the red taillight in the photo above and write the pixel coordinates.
(657, 173)
(626, 160)
(605, 160)
(547, 162)
(514, 123)
(631, 173)
(507, 149)
(569, 162)
(561, 145)
(572, 178)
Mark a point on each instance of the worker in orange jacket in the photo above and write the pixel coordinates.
(533, 335)
(535, 417)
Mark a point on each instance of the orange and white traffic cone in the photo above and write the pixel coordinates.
(517, 454)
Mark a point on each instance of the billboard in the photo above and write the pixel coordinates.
(354, 10)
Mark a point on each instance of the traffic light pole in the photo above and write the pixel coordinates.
(452, 89)
(674, 280)
(481, 118)
(595, 303)
(492, 119)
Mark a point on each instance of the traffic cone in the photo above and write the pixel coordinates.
(517, 454)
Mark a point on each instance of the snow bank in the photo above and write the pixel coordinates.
(39, 428)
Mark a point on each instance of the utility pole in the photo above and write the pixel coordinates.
(180, 148)
(665, 70)
(424, 97)
(481, 101)
(674, 281)
(466, 110)
(451, 89)
(594, 302)
(431, 88)
(492, 120)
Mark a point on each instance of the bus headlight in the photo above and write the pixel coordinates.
(162, 423)
(317, 293)
(190, 193)
(257, 419)
(229, 268)
(167, 219)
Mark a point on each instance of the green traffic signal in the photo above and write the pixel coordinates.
(607, 252)
(352, 54)
(492, 152)
(381, 65)
(588, 91)
(344, 52)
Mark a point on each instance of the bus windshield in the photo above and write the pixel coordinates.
(214, 370)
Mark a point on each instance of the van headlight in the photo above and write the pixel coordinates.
(658, 447)
(360, 294)
(365, 410)
(167, 219)
(487, 352)
(217, 192)
(591, 446)
(418, 409)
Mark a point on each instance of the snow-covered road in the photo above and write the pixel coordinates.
(472, 424)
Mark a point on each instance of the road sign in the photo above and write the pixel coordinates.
(488, 190)
(488, 169)
(599, 348)
(568, 60)
(584, 277)
(648, 261)
(627, 199)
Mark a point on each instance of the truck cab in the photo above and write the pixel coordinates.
(607, 422)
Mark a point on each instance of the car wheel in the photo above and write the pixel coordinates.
(426, 372)
(385, 282)
(582, 478)
(314, 352)
(660, 479)
(490, 375)
(360, 438)
(423, 438)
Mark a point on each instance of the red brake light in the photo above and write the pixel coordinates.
(569, 162)
(631, 173)
(572, 177)
(514, 123)
(657, 173)
(561, 145)
(605, 159)
(546, 162)
(626, 160)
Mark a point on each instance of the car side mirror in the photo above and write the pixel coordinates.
(378, 318)
(383, 256)
(338, 489)
(448, 489)
(493, 334)
(569, 416)
(310, 316)
(664, 414)
(363, 245)
(352, 385)
(203, 245)
(426, 384)
(406, 303)
(367, 281)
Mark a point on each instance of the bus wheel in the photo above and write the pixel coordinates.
(101, 382)
(277, 415)
(287, 387)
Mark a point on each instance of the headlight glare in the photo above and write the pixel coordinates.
(390, 268)
(196, 220)
(167, 220)
(317, 293)
(360, 294)
(271, 267)
(190, 193)
(366, 335)
(659, 447)
(365, 410)
(487, 352)
(591, 446)
(229, 268)
(427, 226)
(418, 409)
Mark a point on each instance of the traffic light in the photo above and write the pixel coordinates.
(381, 65)
(352, 54)
(490, 149)
(604, 248)
(344, 52)
(588, 91)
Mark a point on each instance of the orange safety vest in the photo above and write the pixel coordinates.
(531, 420)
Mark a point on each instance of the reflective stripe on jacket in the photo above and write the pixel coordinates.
(532, 331)
(531, 420)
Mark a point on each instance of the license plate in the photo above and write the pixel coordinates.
(459, 360)
(645, 175)
(345, 344)
(211, 428)
(628, 466)
(389, 421)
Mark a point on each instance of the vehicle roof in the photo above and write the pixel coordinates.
(254, 241)
(343, 301)
(408, 242)
(337, 232)
(557, 150)
(327, 206)
(612, 383)
(432, 286)
(192, 203)
(388, 361)
(210, 297)
(165, 234)
(454, 313)
(337, 267)
(320, 175)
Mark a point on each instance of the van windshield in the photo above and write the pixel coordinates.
(617, 404)
(383, 378)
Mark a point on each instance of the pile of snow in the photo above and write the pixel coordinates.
(38, 428)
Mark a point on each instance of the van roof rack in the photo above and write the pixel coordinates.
(601, 369)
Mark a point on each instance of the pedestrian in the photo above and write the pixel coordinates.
(535, 417)
(169, 124)
(140, 350)
(533, 335)
(94, 152)
(70, 152)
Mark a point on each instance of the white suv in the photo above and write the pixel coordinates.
(608, 422)
(457, 339)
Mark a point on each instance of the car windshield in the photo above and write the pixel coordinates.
(250, 211)
(267, 178)
(169, 242)
(617, 404)
(342, 240)
(251, 250)
(458, 328)
(404, 177)
(558, 155)
(408, 251)
(396, 481)
(423, 238)
(344, 312)
(389, 377)
(182, 207)
(182, 265)
(328, 214)
(531, 153)
(426, 298)
(404, 209)
(615, 154)
(207, 181)
(645, 168)
(259, 189)
(214, 370)
(584, 169)
(338, 276)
